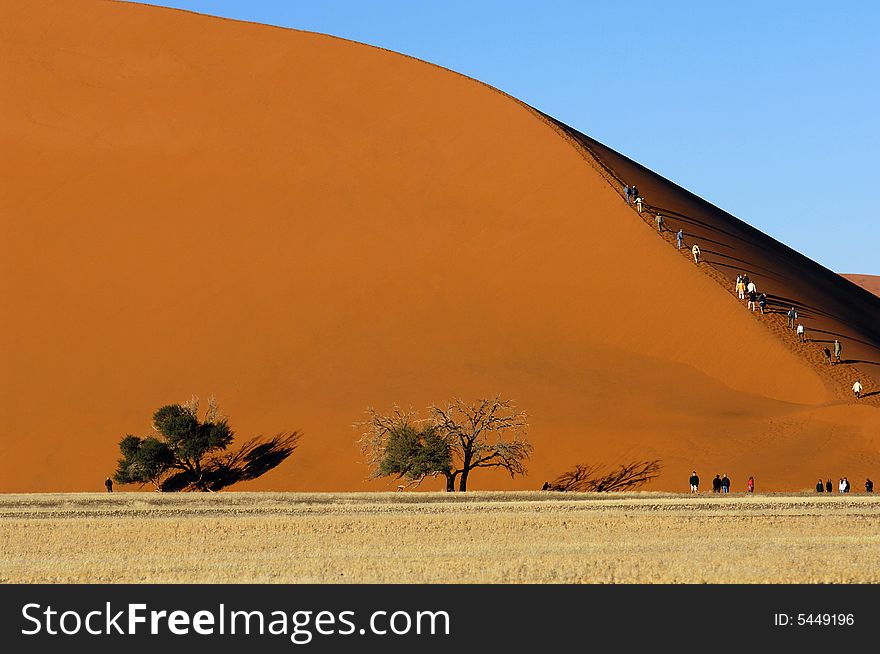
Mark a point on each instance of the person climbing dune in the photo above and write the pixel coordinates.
(857, 389)
(679, 237)
(696, 252)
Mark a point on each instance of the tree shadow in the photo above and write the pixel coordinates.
(253, 459)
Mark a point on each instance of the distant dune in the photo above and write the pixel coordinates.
(868, 282)
(304, 226)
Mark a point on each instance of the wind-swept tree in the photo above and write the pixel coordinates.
(456, 439)
(189, 453)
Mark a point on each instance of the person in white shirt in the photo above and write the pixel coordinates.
(841, 486)
(801, 334)
(751, 288)
(857, 389)
(696, 252)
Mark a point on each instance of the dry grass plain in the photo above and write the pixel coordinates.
(513, 537)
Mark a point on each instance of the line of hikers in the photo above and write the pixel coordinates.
(842, 486)
(631, 193)
(744, 287)
(721, 483)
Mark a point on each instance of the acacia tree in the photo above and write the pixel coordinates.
(456, 439)
(596, 479)
(414, 452)
(189, 453)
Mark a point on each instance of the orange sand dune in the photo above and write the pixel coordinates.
(305, 226)
(868, 282)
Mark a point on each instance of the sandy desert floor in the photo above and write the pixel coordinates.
(514, 537)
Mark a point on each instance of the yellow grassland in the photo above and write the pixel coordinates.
(522, 537)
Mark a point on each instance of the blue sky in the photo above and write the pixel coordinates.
(766, 109)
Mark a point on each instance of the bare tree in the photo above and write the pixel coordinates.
(591, 478)
(457, 438)
(489, 433)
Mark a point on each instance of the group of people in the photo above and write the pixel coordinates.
(633, 197)
(745, 287)
(842, 486)
(721, 483)
(837, 350)
(800, 330)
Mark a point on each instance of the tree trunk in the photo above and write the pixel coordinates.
(450, 482)
(465, 467)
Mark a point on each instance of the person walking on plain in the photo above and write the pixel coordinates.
(801, 334)
(716, 484)
(695, 482)
(725, 484)
(845, 485)
(792, 317)
(108, 484)
(750, 485)
(857, 389)
(696, 252)
(679, 238)
(840, 486)
(869, 486)
(837, 350)
(828, 487)
(820, 487)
